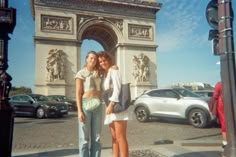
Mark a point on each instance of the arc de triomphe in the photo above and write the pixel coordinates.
(126, 28)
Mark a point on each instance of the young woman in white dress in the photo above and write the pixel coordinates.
(117, 121)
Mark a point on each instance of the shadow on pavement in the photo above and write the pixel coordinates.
(201, 154)
(200, 137)
(169, 120)
(178, 121)
(55, 153)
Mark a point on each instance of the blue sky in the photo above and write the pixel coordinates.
(184, 53)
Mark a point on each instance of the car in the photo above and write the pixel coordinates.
(173, 103)
(207, 94)
(37, 105)
(61, 98)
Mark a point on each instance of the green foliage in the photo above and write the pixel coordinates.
(19, 90)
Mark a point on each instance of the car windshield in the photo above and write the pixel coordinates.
(186, 93)
(40, 98)
(63, 98)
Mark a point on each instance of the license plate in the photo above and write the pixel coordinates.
(63, 110)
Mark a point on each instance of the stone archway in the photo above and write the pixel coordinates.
(101, 30)
(126, 29)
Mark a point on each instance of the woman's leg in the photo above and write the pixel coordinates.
(84, 135)
(220, 111)
(120, 133)
(96, 129)
(115, 146)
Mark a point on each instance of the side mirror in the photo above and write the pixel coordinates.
(178, 97)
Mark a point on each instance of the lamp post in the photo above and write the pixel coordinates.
(7, 24)
(228, 74)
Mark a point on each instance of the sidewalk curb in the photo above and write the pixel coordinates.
(179, 148)
(199, 143)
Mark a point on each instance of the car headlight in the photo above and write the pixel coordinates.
(67, 103)
(45, 105)
(53, 107)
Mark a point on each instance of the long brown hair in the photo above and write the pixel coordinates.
(106, 55)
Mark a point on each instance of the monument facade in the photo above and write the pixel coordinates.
(125, 28)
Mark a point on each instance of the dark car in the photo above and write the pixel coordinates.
(61, 98)
(37, 105)
(207, 94)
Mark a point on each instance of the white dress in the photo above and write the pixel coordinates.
(116, 85)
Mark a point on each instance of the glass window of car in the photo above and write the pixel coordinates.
(153, 93)
(205, 94)
(163, 93)
(186, 93)
(20, 98)
(15, 98)
(24, 98)
(210, 94)
(40, 98)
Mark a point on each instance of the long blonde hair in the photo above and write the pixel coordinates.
(86, 57)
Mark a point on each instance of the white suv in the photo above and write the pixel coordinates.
(173, 103)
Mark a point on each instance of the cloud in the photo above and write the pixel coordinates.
(183, 20)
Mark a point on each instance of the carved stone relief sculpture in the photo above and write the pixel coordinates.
(141, 68)
(117, 22)
(140, 32)
(56, 65)
(83, 19)
(56, 24)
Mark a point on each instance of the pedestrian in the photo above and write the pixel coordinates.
(88, 93)
(218, 98)
(117, 121)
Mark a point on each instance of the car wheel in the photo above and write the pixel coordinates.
(142, 114)
(197, 118)
(40, 113)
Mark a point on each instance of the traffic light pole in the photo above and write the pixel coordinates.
(228, 74)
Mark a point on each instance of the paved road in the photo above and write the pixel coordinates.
(53, 133)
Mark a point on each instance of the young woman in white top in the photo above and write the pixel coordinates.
(117, 121)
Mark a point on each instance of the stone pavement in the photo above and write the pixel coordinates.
(160, 149)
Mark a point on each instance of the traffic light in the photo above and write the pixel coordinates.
(212, 19)
(214, 37)
(212, 14)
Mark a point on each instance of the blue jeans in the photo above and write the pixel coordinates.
(90, 133)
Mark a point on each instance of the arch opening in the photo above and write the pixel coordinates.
(102, 34)
(88, 45)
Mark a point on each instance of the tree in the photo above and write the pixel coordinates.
(19, 90)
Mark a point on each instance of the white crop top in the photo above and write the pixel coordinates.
(90, 80)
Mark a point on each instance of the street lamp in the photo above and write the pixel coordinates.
(7, 24)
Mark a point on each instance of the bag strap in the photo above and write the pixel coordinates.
(110, 79)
